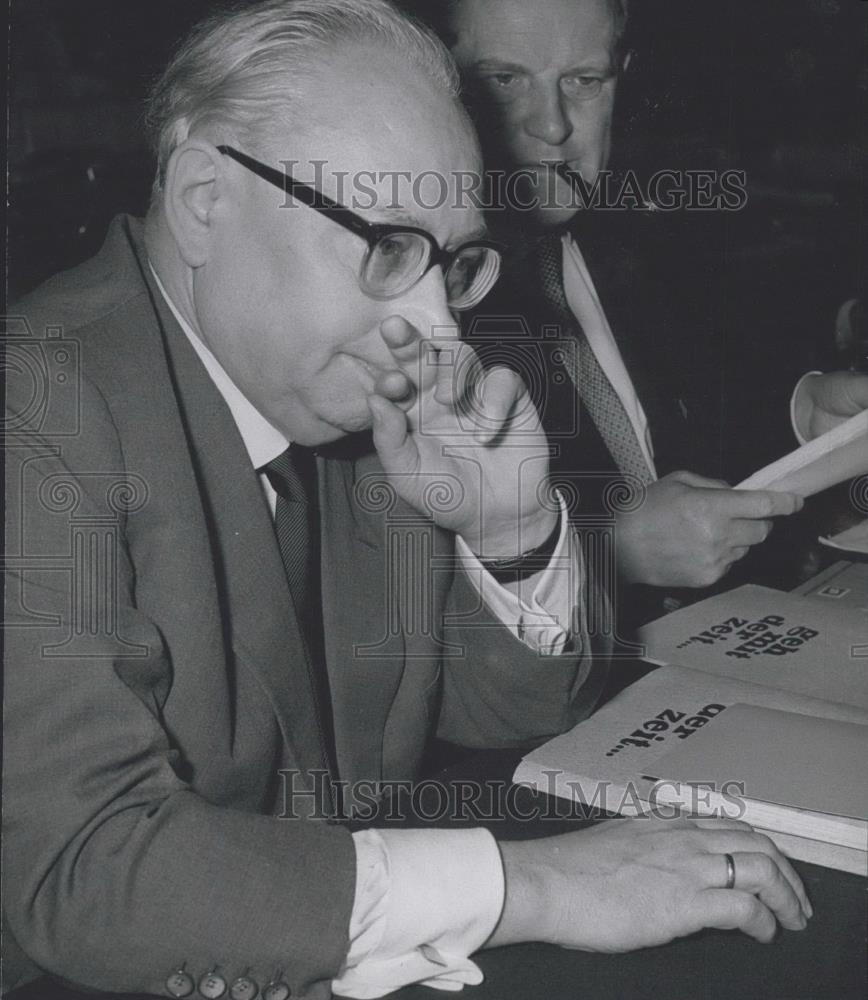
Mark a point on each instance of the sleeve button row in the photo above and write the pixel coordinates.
(212, 986)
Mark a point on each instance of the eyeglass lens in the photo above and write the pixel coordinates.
(398, 260)
(470, 276)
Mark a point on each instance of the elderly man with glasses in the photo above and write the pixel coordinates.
(226, 607)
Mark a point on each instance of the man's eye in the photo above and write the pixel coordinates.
(390, 247)
(500, 81)
(584, 86)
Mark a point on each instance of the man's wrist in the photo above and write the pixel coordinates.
(628, 551)
(526, 564)
(514, 539)
(523, 915)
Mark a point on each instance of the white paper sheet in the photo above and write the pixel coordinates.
(830, 459)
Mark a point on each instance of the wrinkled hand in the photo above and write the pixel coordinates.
(476, 433)
(690, 530)
(634, 883)
(825, 401)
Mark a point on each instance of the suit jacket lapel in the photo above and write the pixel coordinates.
(363, 612)
(258, 619)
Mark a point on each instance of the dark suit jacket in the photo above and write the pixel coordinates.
(665, 350)
(695, 338)
(658, 353)
(156, 684)
(667, 295)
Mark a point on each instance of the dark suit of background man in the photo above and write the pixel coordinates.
(542, 78)
(160, 677)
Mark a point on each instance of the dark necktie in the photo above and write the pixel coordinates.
(592, 384)
(296, 521)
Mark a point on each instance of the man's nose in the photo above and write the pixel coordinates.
(546, 118)
(427, 308)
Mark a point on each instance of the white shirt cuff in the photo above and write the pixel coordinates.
(542, 620)
(425, 900)
(800, 410)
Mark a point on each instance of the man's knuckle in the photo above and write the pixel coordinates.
(713, 570)
(746, 907)
(766, 868)
(765, 843)
(754, 910)
(702, 508)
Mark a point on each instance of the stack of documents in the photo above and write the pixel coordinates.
(761, 713)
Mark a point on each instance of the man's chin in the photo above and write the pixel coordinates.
(553, 218)
(321, 432)
(542, 219)
(354, 426)
(545, 202)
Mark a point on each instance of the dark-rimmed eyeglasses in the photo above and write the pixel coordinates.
(398, 257)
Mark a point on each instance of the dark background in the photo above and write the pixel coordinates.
(778, 88)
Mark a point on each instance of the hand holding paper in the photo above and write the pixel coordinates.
(834, 457)
(690, 530)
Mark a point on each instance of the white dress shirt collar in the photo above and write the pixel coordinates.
(262, 440)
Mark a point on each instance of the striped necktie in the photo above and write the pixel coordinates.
(293, 477)
(592, 384)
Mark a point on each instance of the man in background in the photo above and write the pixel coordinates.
(541, 77)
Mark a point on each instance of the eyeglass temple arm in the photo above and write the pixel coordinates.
(303, 192)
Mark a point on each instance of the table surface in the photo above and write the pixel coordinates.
(827, 960)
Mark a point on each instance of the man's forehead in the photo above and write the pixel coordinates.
(535, 34)
(375, 108)
(381, 180)
(386, 147)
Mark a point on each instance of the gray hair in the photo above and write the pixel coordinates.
(238, 70)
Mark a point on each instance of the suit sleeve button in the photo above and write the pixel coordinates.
(277, 990)
(180, 984)
(212, 985)
(244, 988)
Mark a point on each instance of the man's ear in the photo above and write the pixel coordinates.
(191, 191)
